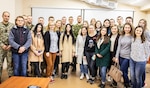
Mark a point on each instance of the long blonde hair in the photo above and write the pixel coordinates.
(50, 23)
(145, 23)
(60, 28)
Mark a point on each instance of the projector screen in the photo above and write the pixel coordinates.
(87, 14)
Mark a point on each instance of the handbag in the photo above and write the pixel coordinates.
(120, 85)
(115, 72)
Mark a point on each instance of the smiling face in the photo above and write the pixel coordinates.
(114, 30)
(103, 31)
(120, 20)
(127, 29)
(20, 21)
(6, 16)
(39, 28)
(112, 22)
(29, 19)
(63, 20)
(98, 24)
(138, 32)
(91, 29)
(52, 25)
(41, 20)
(68, 28)
(85, 24)
(142, 23)
(93, 21)
(58, 23)
(129, 20)
(106, 23)
(79, 19)
(70, 20)
(84, 31)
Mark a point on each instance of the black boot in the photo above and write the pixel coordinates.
(74, 64)
(102, 85)
(65, 76)
(62, 76)
(127, 85)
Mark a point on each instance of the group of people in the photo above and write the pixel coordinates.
(94, 46)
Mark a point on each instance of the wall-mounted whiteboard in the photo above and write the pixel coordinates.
(57, 13)
(88, 14)
(101, 15)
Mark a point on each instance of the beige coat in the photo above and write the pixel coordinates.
(37, 44)
(67, 49)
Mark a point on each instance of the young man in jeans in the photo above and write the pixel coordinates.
(20, 41)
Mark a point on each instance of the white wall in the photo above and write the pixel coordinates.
(20, 7)
(8, 5)
(13, 6)
(27, 4)
(148, 19)
(137, 14)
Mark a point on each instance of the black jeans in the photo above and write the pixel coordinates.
(65, 67)
(56, 67)
(91, 63)
(35, 69)
(43, 65)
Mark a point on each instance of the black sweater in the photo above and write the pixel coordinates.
(90, 43)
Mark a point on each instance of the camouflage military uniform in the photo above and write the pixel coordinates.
(30, 27)
(76, 29)
(4, 32)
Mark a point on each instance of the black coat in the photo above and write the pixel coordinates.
(47, 40)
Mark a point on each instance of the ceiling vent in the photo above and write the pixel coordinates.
(111, 4)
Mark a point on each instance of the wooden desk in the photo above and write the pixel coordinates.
(24, 82)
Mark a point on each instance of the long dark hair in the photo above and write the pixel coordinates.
(35, 29)
(81, 30)
(142, 36)
(70, 32)
(131, 31)
(106, 38)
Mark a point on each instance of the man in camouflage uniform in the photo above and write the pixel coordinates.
(76, 28)
(5, 52)
(29, 22)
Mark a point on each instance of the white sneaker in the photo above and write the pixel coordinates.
(87, 76)
(82, 76)
(51, 77)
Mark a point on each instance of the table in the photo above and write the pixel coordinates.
(24, 82)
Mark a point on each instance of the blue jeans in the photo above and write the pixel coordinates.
(102, 73)
(124, 65)
(143, 78)
(84, 69)
(20, 64)
(137, 69)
